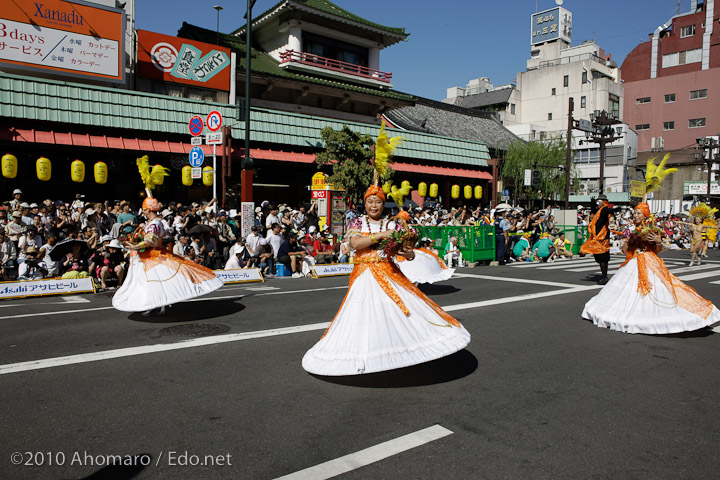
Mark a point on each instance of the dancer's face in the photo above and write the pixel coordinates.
(638, 216)
(374, 207)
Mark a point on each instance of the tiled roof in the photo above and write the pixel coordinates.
(443, 119)
(29, 98)
(495, 97)
(263, 63)
(332, 9)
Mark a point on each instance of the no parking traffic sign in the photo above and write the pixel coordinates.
(196, 125)
(214, 121)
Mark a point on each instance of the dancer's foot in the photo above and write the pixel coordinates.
(162, 311)
(146, 313)
(603, 281)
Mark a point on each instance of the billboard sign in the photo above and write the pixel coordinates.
(179, 60)
(551, 25)
(75, 39)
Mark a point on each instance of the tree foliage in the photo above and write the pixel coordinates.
(548, 156)
(349, 153)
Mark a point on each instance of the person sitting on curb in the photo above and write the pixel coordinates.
(544, 249)
(563, 246)
(521, 250)
(291, 255)
(452, 252)
(32, 268)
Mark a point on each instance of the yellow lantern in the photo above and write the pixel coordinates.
(187, 179)
(478, 192)
(77, 171)
(422, 189)
(455, 192)
(43, 168)
(433, 190)
(208, 176)
(467, 191)
(9, 166)
(405, 184)
(101, 173)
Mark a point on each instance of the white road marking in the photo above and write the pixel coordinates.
(716, 282)
(515, 280)
(698, 276)
(127, 352)
(562, 264)
(613, 265)
(75, 300)
(694, 268)
(163, 347)
(258, 289)
(369, 455)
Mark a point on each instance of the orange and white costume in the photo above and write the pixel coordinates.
(644, 297)
(425, 268)
(385, 322)
(156, 278)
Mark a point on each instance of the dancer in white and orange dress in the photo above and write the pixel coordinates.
(155, 277)
(643, 296)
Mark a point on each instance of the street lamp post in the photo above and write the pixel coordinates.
(603, 133)
(217, 28)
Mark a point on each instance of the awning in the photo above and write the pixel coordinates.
(441, 171)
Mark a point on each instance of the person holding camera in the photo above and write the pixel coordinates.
(32, 268)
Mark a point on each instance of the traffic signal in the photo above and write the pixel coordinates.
(247, 163)
(535, 178)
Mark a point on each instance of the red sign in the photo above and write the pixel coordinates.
(319, 194)
(179, 60)
(214, 121)
(196, 125)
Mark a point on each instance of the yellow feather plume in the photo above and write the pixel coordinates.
(151, 177)
(384, 150)
(398, 194)
(701, 210)
(656, 174)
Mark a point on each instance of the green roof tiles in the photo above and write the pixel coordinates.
(83, 104)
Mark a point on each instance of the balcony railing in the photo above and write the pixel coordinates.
(291, 56)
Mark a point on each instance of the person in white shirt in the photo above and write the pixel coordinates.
(272, 218)
(31, 268)
(274, 239)
(53, 267)
(235, 261)
(253, 242)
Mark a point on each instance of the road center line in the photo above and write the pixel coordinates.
(234, 337)
(369, 455)
(515, 280)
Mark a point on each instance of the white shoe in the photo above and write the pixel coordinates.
(162, 311)
(146, 313)
(297, 275)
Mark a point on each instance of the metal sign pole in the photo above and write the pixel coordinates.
(215, 177)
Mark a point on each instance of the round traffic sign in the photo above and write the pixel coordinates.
(197, 156)
(196, 125)
(214, 121)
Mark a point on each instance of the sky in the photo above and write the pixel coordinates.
(451, 41)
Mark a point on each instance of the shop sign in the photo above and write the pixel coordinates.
(333, 269)
(50, 286)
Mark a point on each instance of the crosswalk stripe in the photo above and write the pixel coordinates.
(694, 268)
(698, 276)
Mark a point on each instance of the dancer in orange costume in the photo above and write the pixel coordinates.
(598, 244)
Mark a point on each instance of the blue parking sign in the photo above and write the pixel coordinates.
(197, 156)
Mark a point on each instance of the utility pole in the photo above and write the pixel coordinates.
(603, 133)
(571, 107)
(246, 175)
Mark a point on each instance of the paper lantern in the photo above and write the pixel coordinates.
(9, 166)
(455, 192)
(433, 190)
(467, 192)
(101, 172)
(207, 176)
(187, 179)
(77, 171)
(478, 192)
(43, 168)
(422, 189)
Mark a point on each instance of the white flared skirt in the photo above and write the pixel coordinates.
(158, 286)
(371, 334)
(619, 306)
(425, 268)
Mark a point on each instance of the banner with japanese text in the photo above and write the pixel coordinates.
(50, 286)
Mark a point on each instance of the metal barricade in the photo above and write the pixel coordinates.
(477, 243)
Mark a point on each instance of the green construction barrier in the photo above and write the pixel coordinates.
(477, 243)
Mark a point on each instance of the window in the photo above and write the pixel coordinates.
(688, 31)
(640, 101)
(566, 80)
(512, 108)
(668, 126)
(614, 105)
(549, 116)
(335, 49)
(670, 98)
(553, 91)
(583, 102)
(642, 126)
(584, 77)
(682, 58)
(696, 123)
(697, 94)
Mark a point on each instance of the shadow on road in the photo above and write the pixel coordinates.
(429, 289)
(192, 311)
(447, 369)
(120, 472)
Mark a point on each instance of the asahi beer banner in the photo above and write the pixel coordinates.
(333, 269)
(73, 38)
(179, 60)
(50, 286)
(239, 275)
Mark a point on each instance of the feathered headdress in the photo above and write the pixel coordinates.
(384, 150)
(656, 174)
(701, 210)
(151, 177)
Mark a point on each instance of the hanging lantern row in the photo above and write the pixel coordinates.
(468, 192)
(43, 169)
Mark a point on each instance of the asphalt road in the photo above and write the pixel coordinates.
(539, 393)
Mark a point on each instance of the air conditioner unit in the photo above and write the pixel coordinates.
(583, 187)
(652, 144)
(608, 190)
(660, 143)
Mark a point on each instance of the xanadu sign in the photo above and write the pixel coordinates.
(179, 60)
